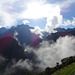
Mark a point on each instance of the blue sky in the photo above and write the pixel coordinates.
(46, 14)
(34, 22)
(67, 13)
(70, 13)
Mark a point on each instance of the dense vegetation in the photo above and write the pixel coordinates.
(66, 68)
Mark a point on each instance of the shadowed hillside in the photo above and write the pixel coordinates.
(10, 48)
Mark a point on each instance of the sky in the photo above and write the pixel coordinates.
(45, 14)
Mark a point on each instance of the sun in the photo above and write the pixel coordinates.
(49, 12)
(35, 11)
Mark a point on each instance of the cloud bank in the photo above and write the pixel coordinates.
(49, 54)
(46, 55)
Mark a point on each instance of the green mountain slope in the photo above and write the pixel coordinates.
(68, 70)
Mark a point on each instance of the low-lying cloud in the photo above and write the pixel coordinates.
(49, 54)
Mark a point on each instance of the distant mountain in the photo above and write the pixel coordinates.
(55, 36)
(70, 29)
(24, 35)
(10, 49)
(60, 29)
(3, 29)
(61, 32)
(64, 30)
(72, 32)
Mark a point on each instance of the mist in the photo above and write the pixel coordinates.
(48, 54)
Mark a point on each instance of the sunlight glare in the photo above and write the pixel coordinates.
(37, 10)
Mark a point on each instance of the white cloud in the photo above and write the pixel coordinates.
(69, 22)
(55, 20)
(26, 21)
(69, 1)
(73, 22)
(49, 54)
(6, 17)
(65, 3)
(15, 36)
(10, 11)
(24, 64)
(14, 10)
(44, 10)
(37, 30)
(15, 33)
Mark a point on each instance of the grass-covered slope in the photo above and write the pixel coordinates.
(68, 70)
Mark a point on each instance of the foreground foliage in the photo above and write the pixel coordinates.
(67, 67)
(68, 70)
